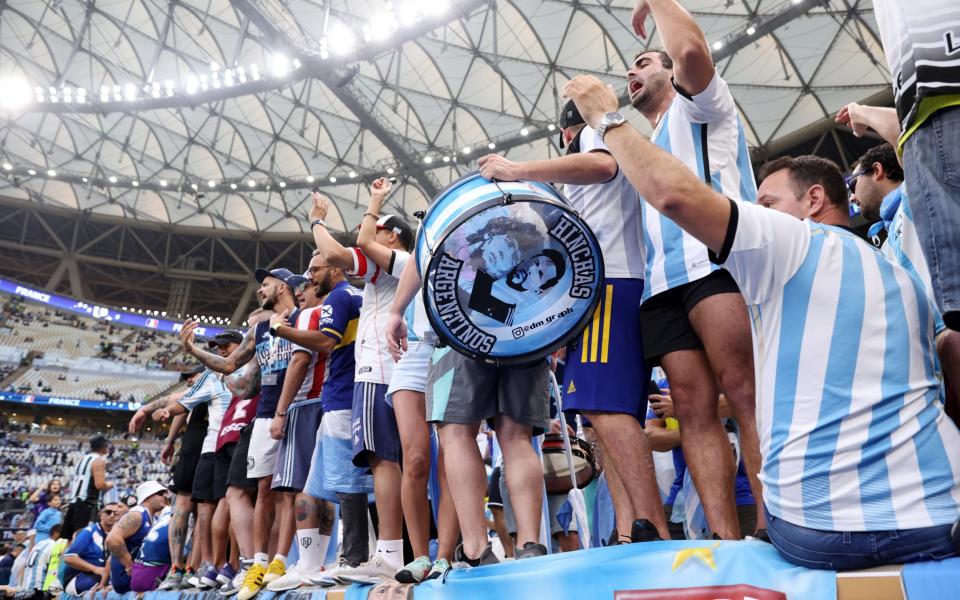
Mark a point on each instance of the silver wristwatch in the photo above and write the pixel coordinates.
(609, 121)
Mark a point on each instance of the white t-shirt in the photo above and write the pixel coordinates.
(674, 257)
(849, 401)
(374, 363)
(308, 319)
(612, 210)
(211, 390)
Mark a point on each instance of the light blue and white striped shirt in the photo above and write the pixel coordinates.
(705, 133)
(849, 398)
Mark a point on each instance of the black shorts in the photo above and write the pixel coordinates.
(203, 479)
(186, 467)
(494, 497)
(221, 469)
(79, 514)
(237, 475)
(664, 322)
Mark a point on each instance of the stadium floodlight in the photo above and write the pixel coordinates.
(194, 186)
(192, 84)
(104, 93)
(551, 127)
(255, 72)
(117, 93)
(51, 173)
(427, 159)
(84, 179)
(717, 45)
(383, 25)
(279, 65)
(228, 78)
(233, 186)
(390, 171)
(333, 179)
(408, 13)
(31, 172)
(203, 81)
(437, 7)
(211, 183)
(251, 183)
(135, 183)
(7, 166)
(53, 94)
(309, 178)
(341, 40)
(491, 145)
(282, 184)
(241, 75)
(112, 179)
(467, 150)
(751, 30)
(68, 94)
(446, 158)
(155, 89)
(17, 93)
(168, 85)
(524, 131)
(163, 183)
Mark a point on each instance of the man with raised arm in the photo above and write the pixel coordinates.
(857, 450)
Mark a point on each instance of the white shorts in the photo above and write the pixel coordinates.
(262, 454)
(410, 373)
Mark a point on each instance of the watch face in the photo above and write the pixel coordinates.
(614, 118)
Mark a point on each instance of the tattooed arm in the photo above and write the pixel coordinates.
(136, 422)
(215, 362)
(116, 541)
(245, 383)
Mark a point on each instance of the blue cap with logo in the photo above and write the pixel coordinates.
(285, 275)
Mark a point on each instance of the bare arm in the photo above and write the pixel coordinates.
(296, 372)
(578, 169)
(660, 178)
(367, 239)
(407, 287)
(682, 39)
(35, 497)
(116, 541)
(136, 422)
(215, 362)
(99, 470)
(881, 119)
(79, 564)
(661, 439)
(331, 250)
(245, 383)
(314, 340)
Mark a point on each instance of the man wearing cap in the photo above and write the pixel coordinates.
(605, 376)
(185, 469)
(123, 541)
(85, 558)
(208, 389)
(277, 293)
(384, 245)
(89, 480)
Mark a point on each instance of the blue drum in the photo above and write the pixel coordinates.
(511, 273)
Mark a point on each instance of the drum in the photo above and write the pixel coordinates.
(511, 273)
(556, 473)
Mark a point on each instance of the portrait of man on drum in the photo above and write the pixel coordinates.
(498, 298)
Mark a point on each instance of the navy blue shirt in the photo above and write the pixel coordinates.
(273, 355)
(339, 317)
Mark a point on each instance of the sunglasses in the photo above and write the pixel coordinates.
(851, 179)
(109, 512)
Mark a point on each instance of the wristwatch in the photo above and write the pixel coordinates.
(609, 121)
(275, 328)
(316, 222)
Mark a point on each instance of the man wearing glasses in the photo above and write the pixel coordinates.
(87, 556)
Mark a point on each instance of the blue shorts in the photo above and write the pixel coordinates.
(296, 447)
(118, 576)
(374, 425)
(605, 370)
(332, 470)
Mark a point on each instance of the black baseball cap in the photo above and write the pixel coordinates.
(229, 336)
(185, 375)
(569, 117)
(285, 275)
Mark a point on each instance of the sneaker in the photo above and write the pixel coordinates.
(275, 570)
(460, 559)
(209, 578)
(328, 577)
(292, 579)
(643, 531)
(226, 573)
(189, 580)
(233, 586)
(375, 570)
(760, 535)
(530, 550)
(252, 582)
(415, 571)
(172, 581)
(439, 569)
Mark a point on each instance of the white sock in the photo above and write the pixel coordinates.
(282, 558)
(391, 551)
(313, 549)
(260, 558)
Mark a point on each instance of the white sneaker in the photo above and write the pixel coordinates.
(328, 577)
(233, 586)
(375, 570)
(292, 579)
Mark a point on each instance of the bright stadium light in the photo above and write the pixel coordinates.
(467, 150)
(211, 183)
(751, 30)
(51, 173)
(135, 183)
(279, 65)
(282, 184)
(251, 183)
(427, 159)
(112, 179)
(383, 25)
(31, 172)
(309, 178)
(333, 179)
(341, 40)
(194, 186)
(84, 179)
(130, 92)
(551, 127)
(491, 145)
(17, 93)
(524, 131)
(233, 186)
(717, 45)
(255, 72)
(7, 166)
(389, 170)
(163, 183)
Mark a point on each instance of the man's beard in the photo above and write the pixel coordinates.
(268, 303)
(651, 90)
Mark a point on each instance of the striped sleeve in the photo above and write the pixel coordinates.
(364, 267)
(201, 392)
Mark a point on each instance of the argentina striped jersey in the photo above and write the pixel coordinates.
(705, 133)
(849, 399)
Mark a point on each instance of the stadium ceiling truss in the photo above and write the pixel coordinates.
(218, 117)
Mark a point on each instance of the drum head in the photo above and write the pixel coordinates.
(512, 281)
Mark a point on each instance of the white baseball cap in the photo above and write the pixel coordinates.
(147, 489)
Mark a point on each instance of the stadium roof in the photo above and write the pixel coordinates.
(218, 114)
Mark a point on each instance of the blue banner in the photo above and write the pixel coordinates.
(71, 402)
(100, 312)
(662, 570)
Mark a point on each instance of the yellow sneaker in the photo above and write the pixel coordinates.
(252, 583)
(275, 570)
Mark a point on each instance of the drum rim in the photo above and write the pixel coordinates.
(531, 356)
